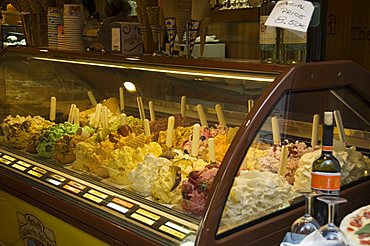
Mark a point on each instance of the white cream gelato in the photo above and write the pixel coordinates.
(353, 165)
(146, 172)
(302, 177)
(255, 194)
(125, 159)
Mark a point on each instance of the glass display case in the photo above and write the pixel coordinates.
(168, 151)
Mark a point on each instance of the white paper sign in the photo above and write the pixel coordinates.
(291, 14)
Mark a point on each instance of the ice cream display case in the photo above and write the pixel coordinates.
(168, 151)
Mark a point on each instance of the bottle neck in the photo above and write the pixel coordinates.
(327, 139)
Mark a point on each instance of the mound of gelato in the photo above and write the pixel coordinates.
(145, 173)
(84, 152)
(180, 134)
(48, 138)
(255, 194)
(125, 159)
(269, 159)
(353, 165)
(196, 189)
(302, 177)
(22, 132)
(64, 148)
(160, 125)
(167, 188)
(222, 137)
(93, 153)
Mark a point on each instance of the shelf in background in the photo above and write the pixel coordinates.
(235, 15)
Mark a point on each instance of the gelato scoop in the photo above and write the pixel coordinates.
(48, 138)
(255, 193)
(22, 132)
(146, 172)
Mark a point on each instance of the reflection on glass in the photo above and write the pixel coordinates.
(258, 189)
(129, 86)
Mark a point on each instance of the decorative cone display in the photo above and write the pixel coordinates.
(198, 9)
(169, 10)
(161, 23)
(193, 33)
(171, 32)
(153, 18)
(203, 33)
(183, 17)
(142, 15)
(204, 28)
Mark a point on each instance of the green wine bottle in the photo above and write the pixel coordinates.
(325, 176)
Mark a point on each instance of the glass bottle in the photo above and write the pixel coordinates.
(267, 37)
(293, 47)
(325, 171)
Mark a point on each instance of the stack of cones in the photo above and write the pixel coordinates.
(142, 15)
(183, 16)
(198, 9)
(169, 10)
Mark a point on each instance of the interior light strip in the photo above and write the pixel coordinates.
(265, 78)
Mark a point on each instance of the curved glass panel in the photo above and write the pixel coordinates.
(262, 188)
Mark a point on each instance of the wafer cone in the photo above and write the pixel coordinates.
(136, 142)
(161, 21)
(183, 17)
(25, 5)
(153, 19)
(203, 30)
(145, 32)
(193, 33)
(36, 6)
(171, 32)
(112, 104)
(169, 10)
(198, 9)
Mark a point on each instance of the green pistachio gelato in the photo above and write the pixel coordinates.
(46, 147)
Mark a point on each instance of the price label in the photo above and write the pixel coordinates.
(291, 14)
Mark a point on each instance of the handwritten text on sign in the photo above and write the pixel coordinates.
(291, 14)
